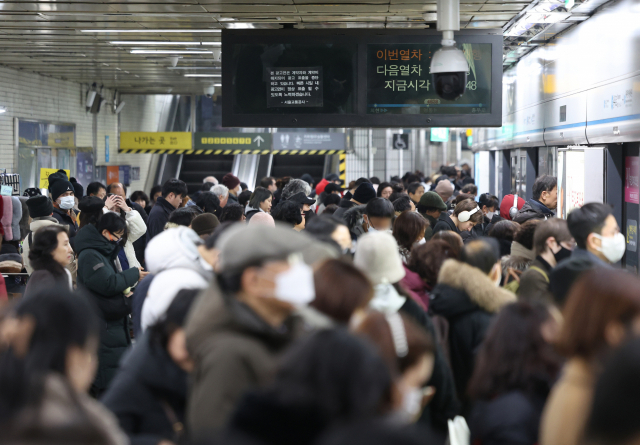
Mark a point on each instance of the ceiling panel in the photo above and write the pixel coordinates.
(46, 37)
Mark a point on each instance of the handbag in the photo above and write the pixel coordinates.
(459, 433)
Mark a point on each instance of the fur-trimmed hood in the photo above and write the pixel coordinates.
(463, 288)
(354, 216)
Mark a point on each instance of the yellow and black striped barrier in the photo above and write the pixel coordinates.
(236, 152)
(343, 167)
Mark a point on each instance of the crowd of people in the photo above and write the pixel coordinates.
(309, 311)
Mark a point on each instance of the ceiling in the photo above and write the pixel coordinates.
(48, 37)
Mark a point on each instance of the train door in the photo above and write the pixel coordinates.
(577, 183)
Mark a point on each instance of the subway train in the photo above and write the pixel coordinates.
(571, 108)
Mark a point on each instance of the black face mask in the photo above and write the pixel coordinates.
(308, 215)
(562, 254)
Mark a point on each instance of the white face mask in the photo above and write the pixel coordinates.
(296, 285)
(613, 247)
(67, 202)
(490, 215)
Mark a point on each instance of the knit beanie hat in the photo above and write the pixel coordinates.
(432, 200)
(205, 224)
(263, 219)
(445, 189)
(364, 193)
(39, 206)
(78, 190)
(230, 181)
(59, 184)
(378, 257)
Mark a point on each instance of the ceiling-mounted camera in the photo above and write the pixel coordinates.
(449, 65)
(209, 91)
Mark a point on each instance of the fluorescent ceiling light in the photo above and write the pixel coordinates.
(140, 42)
(203, 75)
(3, 110)
(167, 51)
(193, 67)
(546, 17)
(217, 84)
(145, 31)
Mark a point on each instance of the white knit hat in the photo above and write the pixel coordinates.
(378, 257)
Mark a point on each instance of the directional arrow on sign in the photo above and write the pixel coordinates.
(258, 140)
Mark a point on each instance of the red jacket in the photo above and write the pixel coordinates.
(321, 185)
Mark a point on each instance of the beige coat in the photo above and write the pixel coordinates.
(567, 409)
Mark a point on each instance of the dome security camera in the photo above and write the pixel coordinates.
(209, 91)
(449, 66)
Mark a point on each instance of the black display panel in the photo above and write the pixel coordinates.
(350, 78)
(398, 80)
(283, 78)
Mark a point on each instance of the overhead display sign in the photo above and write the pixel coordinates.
(355, 78)
(230, 142)
(295, 87)
(155, 142)
(398, 80)
(309, 142)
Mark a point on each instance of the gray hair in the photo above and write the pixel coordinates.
(221, 191)
(214, 180)
(295, 186)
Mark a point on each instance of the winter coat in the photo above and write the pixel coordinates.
(249, 212)
(468, 299)
(97, 273)
(569, 270)
(416, 285)
(432, 223)
(494, 220)
(63, 416)
(64, 219)
(234, 350)
(345, 204)
(518, 250)
(444, 405)
(233, 199)
(533, 209)
(36, 224)
(158, 217)
(511, 418)
(567, 409)
(534, 282)
(148, 394)
(445, 223)
(43, 280)
(321, 186)
(175, 262)
(354, 217)
(136, 228)
(137, 301)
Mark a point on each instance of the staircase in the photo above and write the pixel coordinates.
(196, 167)
(297, 165)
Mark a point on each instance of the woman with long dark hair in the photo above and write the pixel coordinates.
(49, 255)
(408, 230)
(515, 369)
(47, 362)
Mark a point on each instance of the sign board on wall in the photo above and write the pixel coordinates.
(631, 183)
(574, 180)
(106, 148)
(439, 134)
(217, 142)
(113, 174)
(135, 173)
(400, 141)
(84, 167)
(124, 174)
(44, 176)
(308, 141)
(155, 142)
(632, 235)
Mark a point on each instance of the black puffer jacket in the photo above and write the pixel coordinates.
(98, 276)
(345, 204)
(148, 389)
(512, 418)
(532, 209)
(445, 223)
(468, 299)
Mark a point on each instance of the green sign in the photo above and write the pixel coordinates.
(439, 135)
(224, 141)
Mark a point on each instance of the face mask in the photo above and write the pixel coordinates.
(612, 247)
(562, 254)
(296, 285)
(67, 202)
(490, 215)
(411, 405)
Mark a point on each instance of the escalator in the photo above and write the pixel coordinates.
(297, 165)
(196, 167)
